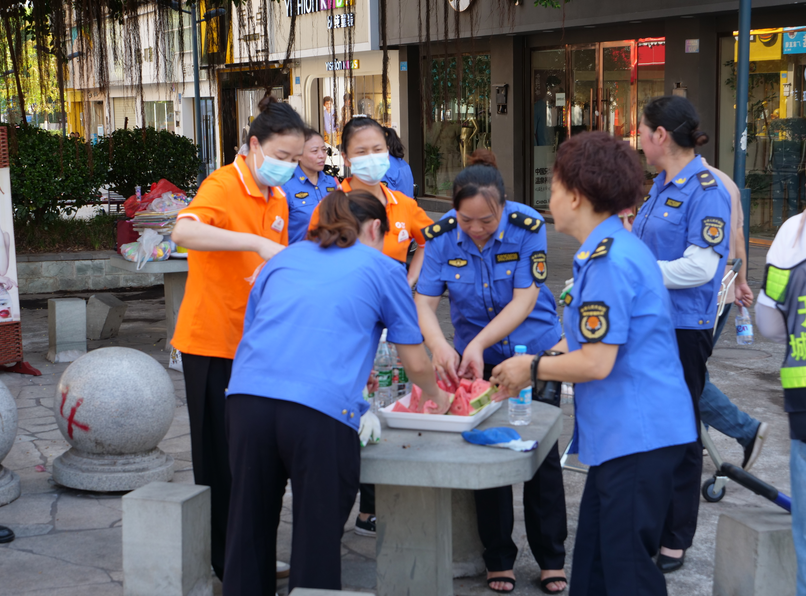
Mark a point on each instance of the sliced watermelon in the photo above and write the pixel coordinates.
(399, 407)
(447, 386)
(479, 386)
(466, 383)
(429, 406)
(416, 397)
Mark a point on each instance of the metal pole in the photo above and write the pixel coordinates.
(197, 99)
(740, 142)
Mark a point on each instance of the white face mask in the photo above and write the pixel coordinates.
(274, 172)
(370, 169)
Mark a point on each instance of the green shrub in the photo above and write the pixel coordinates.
(50, 176)
(138, 157)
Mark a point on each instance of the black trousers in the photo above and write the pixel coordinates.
(366, 504)
(206, 381)
(620, 524)
(695, 347)
(272, 440)
(544, 516)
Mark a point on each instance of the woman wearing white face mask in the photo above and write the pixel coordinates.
(238, 219)
(366, 154)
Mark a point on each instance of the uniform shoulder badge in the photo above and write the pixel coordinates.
(301, 195)
(706, 179)
(602, 249)
(713, 230)
(539, 269)
(527, 222)
(457, 262)
(445, 224)
(593, 321)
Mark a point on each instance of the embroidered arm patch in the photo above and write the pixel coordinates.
(539, 269)
(593, 321)
(713, 230)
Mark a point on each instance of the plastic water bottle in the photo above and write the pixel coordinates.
(384, 365)
(744, 328)
(520, 408)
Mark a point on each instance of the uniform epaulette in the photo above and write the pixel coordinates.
(602, 249)
(437, 229)
(525, 221)
(706, 179)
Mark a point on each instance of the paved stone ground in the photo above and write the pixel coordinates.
(69, 542)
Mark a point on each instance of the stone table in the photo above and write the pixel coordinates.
(415, 473)
(175, 276)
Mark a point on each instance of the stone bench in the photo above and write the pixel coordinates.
(67, 329)
(755, 555)
(166, 540)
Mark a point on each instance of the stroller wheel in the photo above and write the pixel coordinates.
(708, 492)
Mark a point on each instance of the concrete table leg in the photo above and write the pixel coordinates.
(174, 292)
(467, 547)
(414, 541)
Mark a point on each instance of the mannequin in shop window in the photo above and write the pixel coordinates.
(547, 115)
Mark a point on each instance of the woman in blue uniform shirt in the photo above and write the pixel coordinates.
(490, 254)
(308, 186)
(619, 349)
(294, 399)
(399, 176)
(685, 222)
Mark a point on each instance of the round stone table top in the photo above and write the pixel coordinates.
(446, 460)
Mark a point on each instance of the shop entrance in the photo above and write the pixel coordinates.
(586, 87)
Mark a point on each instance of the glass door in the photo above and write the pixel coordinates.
(616, 90)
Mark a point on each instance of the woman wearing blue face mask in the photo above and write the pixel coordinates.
(238, 220)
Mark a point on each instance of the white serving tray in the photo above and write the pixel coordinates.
(451, 424)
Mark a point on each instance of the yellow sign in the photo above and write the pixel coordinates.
(765, 44)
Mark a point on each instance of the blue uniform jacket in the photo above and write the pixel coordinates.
(619, 298)
(480, 285)
(694, 208)
(303, 196)
(399, 176)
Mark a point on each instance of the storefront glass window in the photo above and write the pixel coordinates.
(160, 115)
(460, 117)
(776, 124)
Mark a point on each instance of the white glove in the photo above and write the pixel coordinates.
(369, 429)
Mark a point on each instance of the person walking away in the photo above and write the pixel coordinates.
(399, 176)
(781, 317)
(716, 409)
(685, 222)
(331, 126)
(618, 337)
(237, 220)
(308, 186)
(490, 254)
(295, 402)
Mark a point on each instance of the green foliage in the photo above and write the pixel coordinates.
(48, 180)
(67, 235)
(139, 157)
(550, 3)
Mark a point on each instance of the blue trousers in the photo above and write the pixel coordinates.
(621, 519)
(797, 472)
(718, 411)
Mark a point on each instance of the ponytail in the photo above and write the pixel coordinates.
(677, 115)
(341, 216)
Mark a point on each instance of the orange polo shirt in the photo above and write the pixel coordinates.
(406, 221)
(210, 321)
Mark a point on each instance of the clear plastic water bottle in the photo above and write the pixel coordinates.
(384, 365)
(744, 328)
(520, 408)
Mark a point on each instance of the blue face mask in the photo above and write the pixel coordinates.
(273, 172)
(370, 169)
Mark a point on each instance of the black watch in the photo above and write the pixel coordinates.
(548, 392)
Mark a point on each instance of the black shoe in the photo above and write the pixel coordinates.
(669, 564)
(753, 450)
(365, 528)
(6, 535)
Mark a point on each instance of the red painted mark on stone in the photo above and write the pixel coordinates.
(71, 419)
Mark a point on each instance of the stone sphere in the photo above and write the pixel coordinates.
(114, 401)
(8, 421)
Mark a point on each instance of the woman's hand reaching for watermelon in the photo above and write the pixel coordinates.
(472, 366)
(446, 361)
(439, 403)
(511, 376)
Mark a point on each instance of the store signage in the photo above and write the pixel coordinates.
(692, 46)
(342, 65)
(794, 40)
(310, 6)
(765, 44)
(340, 21)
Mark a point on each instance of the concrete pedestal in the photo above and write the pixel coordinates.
(67, 328)
(113, 406)
(755, 555)
(9, 481)
(415, 474)
(166, 541)
(105, 314)
(467, 547)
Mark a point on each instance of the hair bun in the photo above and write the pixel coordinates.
(699, 137)
(483, 157)
(267, 100)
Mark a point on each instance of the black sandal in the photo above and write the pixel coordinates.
(544, 584)
(508, 580)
